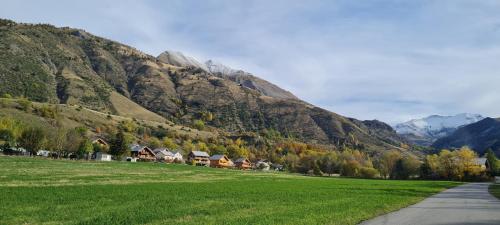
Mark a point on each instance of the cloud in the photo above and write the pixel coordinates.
(389, 60)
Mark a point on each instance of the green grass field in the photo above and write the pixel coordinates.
(43, 191)
(495, 190)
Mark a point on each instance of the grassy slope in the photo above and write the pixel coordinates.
(72, 116)
(495, 190)
(42, 191)
(127, 108)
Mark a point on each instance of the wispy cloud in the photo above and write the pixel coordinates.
(384, 59)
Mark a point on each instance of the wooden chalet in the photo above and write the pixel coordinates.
(243, 164)
(220, 161)
(100, 141)
(164, 154)
(199, 158)
(142, 153)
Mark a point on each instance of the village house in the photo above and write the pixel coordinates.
(164, 154)
(220, 161)
(262, 164)
(277, 167)
(483, 163)
(142, 153)
(99, 141)
(178, 156)
(198, 158)
(243, 163)
(101, 156)
(130, 159)
(43, 153)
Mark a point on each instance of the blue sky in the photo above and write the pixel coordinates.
(386, 60)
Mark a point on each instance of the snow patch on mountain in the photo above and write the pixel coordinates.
(426, 130)
(178, 59)
(217, 67)
(436, 123)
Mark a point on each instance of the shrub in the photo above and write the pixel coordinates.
(199, 124)
(6, 95)
(367, 172)
(25, 104)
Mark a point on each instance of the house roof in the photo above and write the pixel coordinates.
(200, 153)
(96, 139)
(481, 161)
(217, 157)
(176, 152)
(163, 151)
(136, 148)
(160, 149)
(241, 160)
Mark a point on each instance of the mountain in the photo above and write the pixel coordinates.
(179, 59)
(427, 130)
(73, 67)
(479, 136)
(248, 80)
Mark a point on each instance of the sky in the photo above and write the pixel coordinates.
(391, 60)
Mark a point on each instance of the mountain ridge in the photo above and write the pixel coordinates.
(71, 66)
(480, 136)
(426, 130)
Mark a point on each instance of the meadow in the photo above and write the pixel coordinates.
(44, 191)
(495, 190)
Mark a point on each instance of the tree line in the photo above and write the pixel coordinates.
(295, 156)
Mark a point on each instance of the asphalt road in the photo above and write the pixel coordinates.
(468, 204)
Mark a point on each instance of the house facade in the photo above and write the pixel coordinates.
(263, 164)
(100, 156)
(178, 156)
(220, 161)
(164, 154)
(100, 141)
(243, 164)
(142, 153)
(199, 158)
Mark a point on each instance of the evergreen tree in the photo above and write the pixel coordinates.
(120, 145)
(493, 162)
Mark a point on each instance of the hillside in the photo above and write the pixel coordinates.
(427, 130)
(71, 66)
(479, 136)
(68, 117)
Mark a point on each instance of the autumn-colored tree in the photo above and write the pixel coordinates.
(169, 143)
(33, 139)
(386, 163)
(202, 146)
(466, 163)
(153, 142)
(187, 146)
(85, 149)
(57, 141)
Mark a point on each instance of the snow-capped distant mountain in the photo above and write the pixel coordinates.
(427, 130)
(179, 59)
